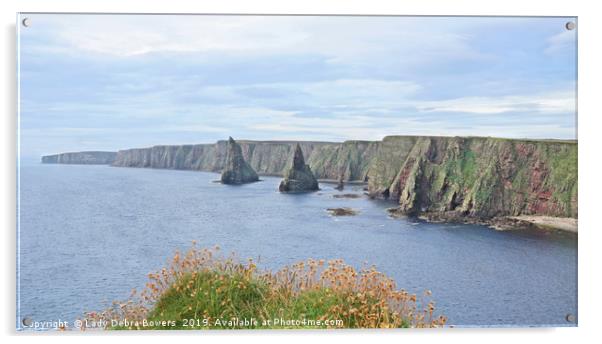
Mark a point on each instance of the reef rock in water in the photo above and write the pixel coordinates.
(237, 170)
(299, 177)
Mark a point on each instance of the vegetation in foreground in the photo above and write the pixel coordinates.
(203, 290)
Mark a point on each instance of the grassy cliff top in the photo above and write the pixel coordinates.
(386, 138)
(397, 137)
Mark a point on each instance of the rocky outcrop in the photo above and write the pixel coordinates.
(81, 158)
(345, 211)
(237, 170)
(442, 178)
(299, 177)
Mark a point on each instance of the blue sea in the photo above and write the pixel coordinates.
(89, 234)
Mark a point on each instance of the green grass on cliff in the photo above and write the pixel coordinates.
(218, 297)
(202, 290)
(564, 175)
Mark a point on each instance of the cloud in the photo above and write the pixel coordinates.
(139, 35)
(564, 41)
(110, 82)
(557, 102)
(338, 93)
(341, 40)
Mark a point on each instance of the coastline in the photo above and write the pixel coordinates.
(566, 224)
(501, 223)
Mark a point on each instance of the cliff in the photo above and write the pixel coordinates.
(82, 158)
(265, 157)
(440, 177)
(328, 160)
(452, 177)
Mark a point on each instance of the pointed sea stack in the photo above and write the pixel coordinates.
(299, 177)
(237, 170)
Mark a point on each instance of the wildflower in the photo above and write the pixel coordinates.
(368, 298)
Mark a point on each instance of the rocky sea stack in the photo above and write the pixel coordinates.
(299, 177)
(236, 169)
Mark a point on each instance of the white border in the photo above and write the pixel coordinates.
(589, 157)
(18, 162)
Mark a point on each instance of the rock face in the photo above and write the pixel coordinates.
(81, 158)
(455, 178)
(299, 177)
(265, 157)
(236, 170)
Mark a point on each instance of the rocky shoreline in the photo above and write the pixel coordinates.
(566, 224)
(500, 223)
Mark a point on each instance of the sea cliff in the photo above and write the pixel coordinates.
(440, 178)
(449, 178)
(81, 158)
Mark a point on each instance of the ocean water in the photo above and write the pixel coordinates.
(89, 234)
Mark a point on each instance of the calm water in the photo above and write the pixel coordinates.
(89, 234)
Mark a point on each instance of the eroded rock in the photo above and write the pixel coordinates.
(298, 178)
(237, 170)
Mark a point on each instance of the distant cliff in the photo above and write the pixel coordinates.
(441, 177)
(82, 158)
(265, 157)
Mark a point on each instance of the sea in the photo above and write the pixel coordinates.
(88, 234)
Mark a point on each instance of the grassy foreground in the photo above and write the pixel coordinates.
(203, 290)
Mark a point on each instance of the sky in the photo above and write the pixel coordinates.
(109, 82)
